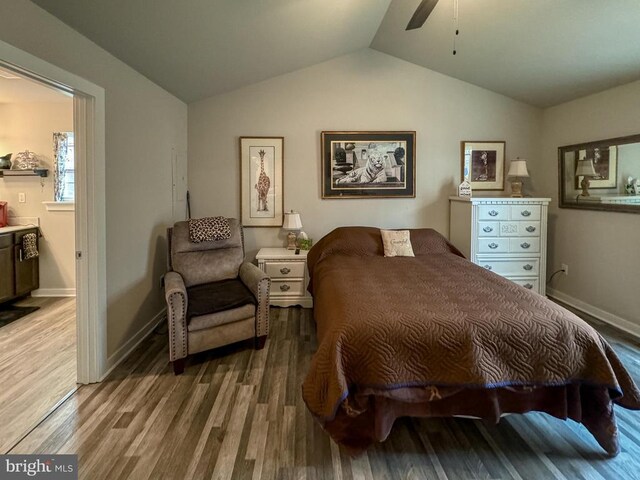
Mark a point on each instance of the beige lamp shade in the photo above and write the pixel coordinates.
(585, 168)
(292, 221)
(518, 168)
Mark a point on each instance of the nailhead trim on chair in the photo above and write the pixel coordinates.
(260, 317)
(172, 325)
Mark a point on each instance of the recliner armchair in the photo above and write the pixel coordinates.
(214, 297)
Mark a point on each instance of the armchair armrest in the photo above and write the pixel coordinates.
(175, 294)
(259, 284)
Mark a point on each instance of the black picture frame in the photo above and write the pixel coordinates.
(372, 164)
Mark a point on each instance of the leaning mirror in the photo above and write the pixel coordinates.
(602, 175)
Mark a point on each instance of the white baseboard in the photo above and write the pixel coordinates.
(130, 345)
(620, 323)
(54, 292)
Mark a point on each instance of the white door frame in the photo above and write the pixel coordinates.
(90, 221)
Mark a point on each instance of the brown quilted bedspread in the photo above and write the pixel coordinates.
(385, 324)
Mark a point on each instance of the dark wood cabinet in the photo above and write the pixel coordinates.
(18, 276)
(7, 283)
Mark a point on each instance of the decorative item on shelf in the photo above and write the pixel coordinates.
(633, 186)
(25, 161)
(585, 170)
(291, 222)
(517, 170)
(5, 162)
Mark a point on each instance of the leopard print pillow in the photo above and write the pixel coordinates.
(209, 229)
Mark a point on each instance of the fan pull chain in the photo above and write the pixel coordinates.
(456, 24)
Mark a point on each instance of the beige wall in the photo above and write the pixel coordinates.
(144, 125)
(367, 90)
(29, 126)
(601, 248)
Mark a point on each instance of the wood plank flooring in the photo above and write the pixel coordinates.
(238, 413)
(37, 365)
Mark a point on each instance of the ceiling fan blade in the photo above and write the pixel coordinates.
(421, 14)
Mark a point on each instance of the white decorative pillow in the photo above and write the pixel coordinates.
(397, 243)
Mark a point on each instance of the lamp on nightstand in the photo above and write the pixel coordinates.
(517, 169)
(291, 222)
(586, 170)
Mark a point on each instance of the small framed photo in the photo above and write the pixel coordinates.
(483, 164)
(261, 176)
(368, 164)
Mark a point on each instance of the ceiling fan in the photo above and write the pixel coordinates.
(421, 14)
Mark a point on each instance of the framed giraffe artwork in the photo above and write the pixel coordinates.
(368, 164)
(261, 175)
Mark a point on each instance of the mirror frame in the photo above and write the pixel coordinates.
(631, 208)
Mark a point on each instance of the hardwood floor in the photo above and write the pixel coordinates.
(37, 365)
(238, 413)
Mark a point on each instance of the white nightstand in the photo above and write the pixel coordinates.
(289, 276)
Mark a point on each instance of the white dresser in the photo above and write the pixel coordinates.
(289, 276)
(505, 235)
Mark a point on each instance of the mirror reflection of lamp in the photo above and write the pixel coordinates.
(291, 222)
(517, 170)
(586, 170)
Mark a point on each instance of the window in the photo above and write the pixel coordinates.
(64, 169)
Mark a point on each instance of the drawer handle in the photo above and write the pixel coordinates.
(493, 246)
(488, 229)
(284, 270)
(493, 213)
(488, 267)
(528, 267)
(525, 213)
(525, 245)
(285, 287)
(530, 229)
(528, 286)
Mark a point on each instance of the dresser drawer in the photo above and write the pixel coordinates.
(283, 287)
(488, 229)
(528, 283)
(519, 229)
(525, 267)
(493, 245)
(525, 212)
(524, 245)
(529, 229)
(493, 212)
(284, 269)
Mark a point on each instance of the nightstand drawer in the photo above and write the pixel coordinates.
(286, 287)
(493, 212)
(511, 267)
(493, 245)
(525, 245)
(525, 212)
(284, 269)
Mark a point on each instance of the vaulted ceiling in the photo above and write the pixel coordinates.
(542, 52)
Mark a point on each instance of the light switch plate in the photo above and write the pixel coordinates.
(22, 197)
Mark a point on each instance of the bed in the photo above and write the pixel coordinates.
(436, 336)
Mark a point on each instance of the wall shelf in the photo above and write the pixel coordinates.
(37, 172)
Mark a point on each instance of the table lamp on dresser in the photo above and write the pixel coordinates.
(517, 170)
(292, 223)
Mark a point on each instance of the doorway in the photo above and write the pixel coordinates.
(89, 252)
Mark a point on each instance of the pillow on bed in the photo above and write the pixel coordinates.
(397, 243)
